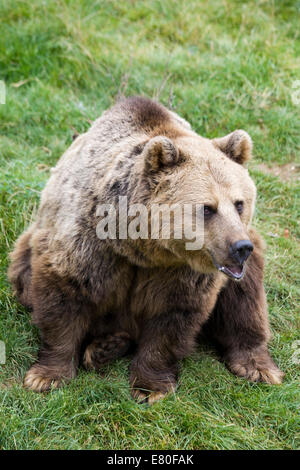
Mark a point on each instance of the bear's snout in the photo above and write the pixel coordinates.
(241, 250)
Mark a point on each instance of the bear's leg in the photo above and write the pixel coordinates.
(63, 317)
(164, 341)
(19, 272)
(239, 324)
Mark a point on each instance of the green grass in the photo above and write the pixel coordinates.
(222, 65)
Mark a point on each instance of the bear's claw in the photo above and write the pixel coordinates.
(143, 396)
(254, 374)
(39, 382)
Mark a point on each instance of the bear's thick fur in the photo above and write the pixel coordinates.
(94, 299)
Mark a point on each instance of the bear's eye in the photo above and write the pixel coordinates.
(239, 205)
(208, 211)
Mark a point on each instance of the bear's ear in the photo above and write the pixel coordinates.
(237, 146)
(160, 152)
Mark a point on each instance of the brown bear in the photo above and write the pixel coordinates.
(94, 299)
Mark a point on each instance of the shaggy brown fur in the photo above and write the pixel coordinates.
(94, 299)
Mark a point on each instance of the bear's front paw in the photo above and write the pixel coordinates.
(254, 374)
(39, 380)
(152, 387)
(256, 366)
(144, 396)
(150, 383)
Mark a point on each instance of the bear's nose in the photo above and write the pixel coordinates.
(241, 250)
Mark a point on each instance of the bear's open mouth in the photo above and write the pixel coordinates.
(234, 271)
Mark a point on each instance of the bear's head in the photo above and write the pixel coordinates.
(188, 170)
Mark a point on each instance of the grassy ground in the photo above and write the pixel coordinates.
(222, 65)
